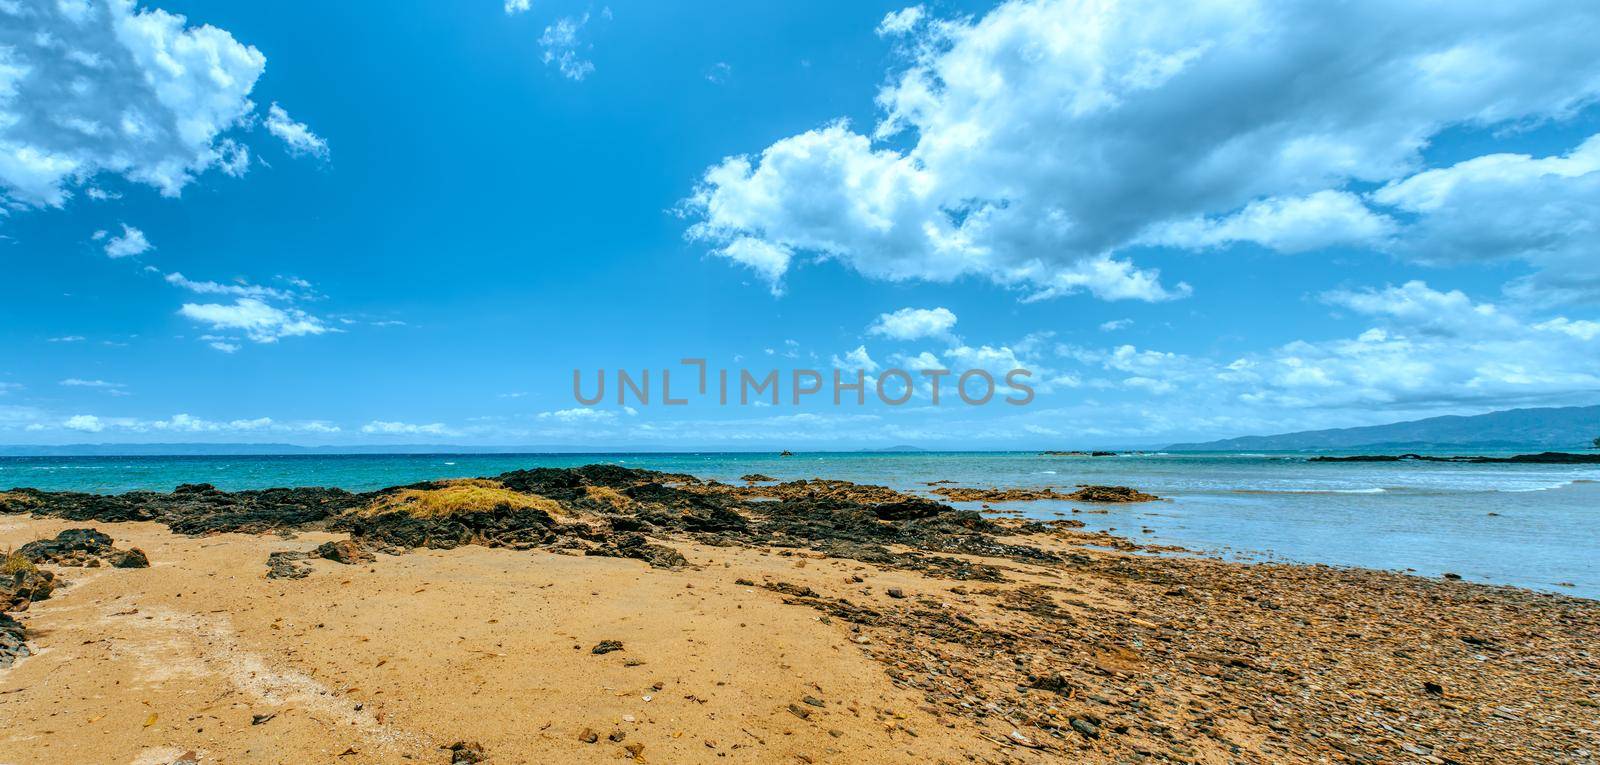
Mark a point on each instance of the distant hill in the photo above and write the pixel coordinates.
(1571, 427)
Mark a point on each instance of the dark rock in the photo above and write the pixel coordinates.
(606, 646)
(25, 586)
(70, 547)
(895, 592)
(262, 718)
(131, 558)
(1088, 729)
(13, 641)
(287, 565)
(466, 753)
(1436, 689)
(344, 551)
(1053, 683)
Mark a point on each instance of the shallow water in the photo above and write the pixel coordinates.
(1527, 525)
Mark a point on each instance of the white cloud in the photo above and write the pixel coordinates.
(1292, 224)
(296, 136)
(1421, 349)
(914, 323)
(87, 423)
(561, 47)
(1039, 144)
(382, 427)
(768, 260)
(67, 339)
(514, 7)
(74, 382)
(259, 321)
(719, 73)
(241, 289)
(185, 423)
(856, 359)
(131, 242)
(901, 22)
(110, 88)
(1115, 324)
(1542, 211)
(579, 414)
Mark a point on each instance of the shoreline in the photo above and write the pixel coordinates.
(927, 632)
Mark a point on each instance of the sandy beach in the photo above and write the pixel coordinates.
(768, 647)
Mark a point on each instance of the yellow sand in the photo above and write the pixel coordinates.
(385, 663)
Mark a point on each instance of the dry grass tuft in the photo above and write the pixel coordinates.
(12, 564)
(472, 495)
(608, 496)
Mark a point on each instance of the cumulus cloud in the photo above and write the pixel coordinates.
(1039, 145)
(259, 321)
(106, 87)
(1544, 211)
(87, 423)
(563, 49)
(514, 7)
(914, 323)
(296, 136)
(132, 241)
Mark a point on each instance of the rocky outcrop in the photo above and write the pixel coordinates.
(82, 547)
(604, 510)
(1082, 494)
(192, 508)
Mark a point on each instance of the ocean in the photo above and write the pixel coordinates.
(1532, 526)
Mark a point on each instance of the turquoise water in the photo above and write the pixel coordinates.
(1427, 517)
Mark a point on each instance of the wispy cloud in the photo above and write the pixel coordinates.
(296, 136)
(562, 47)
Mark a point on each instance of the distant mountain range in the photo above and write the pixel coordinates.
(1571, 427)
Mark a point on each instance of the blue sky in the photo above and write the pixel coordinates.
(325, 225)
